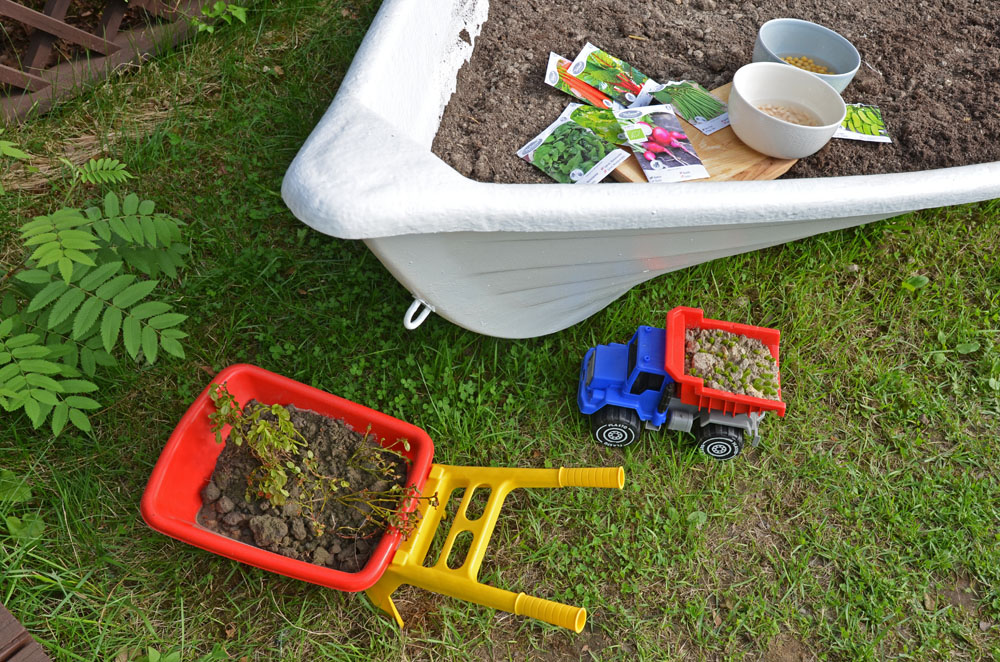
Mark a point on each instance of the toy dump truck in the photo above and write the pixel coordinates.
(644, 380)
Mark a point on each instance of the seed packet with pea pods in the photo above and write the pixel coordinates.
(572, 154)
(863, 122)
(655, 135)
(702, 109)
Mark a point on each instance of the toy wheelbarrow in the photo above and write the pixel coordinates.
(173, 497)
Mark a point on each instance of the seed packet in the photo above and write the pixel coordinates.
(692, 102)
(655, 135)
(619, 80)
(601, 121)
(863, 123)
(557, 75)
(572, 154)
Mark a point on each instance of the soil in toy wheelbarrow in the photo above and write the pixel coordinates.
(324, 519)
(173, 495)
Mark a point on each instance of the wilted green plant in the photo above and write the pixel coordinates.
(83, 290)
(273, 440)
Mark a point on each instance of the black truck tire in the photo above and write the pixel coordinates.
(616, 427)
(719, 442)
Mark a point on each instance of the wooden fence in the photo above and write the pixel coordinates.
(33, 87)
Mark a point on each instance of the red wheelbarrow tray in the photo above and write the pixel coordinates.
(173, 494)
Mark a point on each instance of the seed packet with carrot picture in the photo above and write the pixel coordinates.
(572, 154)
(557, 75)
(703, 110)
(655, 135)
(619, 80)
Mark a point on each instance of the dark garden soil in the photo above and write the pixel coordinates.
(308, 526)
(932, 66)
(82, 14)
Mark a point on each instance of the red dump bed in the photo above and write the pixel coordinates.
(692, 390)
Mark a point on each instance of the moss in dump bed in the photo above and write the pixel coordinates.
(731, 362)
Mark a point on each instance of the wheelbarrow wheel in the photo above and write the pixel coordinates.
(720, 442)
(616, 427)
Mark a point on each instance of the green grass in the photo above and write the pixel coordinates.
(864, 527)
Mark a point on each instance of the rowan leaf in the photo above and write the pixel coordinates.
(133, 293)
(60, 414)
(86, 317)
(132, 223)
(41, 366)
(111, 206)
(34, 276)
(30, 352)
(97, 277)
(79, 419)
(65, 266)
(82, 402)
(148, 309)
(130, 204)
(167, 320)
(22, 340)
(118, 227)
(66, 304)
(111, 288)
(150, 344)
(172, 347)
(110, 326)
(131, 335)
(47, 295)
(42, 381)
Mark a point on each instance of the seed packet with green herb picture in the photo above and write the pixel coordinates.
(572, 154)
(557, 75)
(863, 122)
(619, 80)
(703, 110)
(655, 135)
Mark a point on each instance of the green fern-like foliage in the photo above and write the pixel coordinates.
(100, 171)
(83, 294)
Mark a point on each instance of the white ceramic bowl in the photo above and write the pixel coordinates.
(784, 37)
(770, 83)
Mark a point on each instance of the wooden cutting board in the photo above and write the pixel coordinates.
(722, 153)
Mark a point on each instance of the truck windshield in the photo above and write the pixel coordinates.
(644, 381)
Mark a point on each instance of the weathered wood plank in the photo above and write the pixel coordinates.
(40, 46)
(20, 79)
(16, 645)
(56, 27)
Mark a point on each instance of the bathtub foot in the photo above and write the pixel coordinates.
(417, 313)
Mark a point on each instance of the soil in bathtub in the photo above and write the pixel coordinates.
(931, 67)
(339, 492)
(731, 362)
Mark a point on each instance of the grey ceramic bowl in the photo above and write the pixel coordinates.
(783, 37)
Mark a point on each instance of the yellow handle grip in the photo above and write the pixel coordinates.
(565, 616)
(592, 477)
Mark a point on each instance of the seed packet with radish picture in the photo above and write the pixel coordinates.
(619, 80)
(557, 75)
(692, 102)
(655, 135)
(572, 154)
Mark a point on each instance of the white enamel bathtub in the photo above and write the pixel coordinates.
(518, 261)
